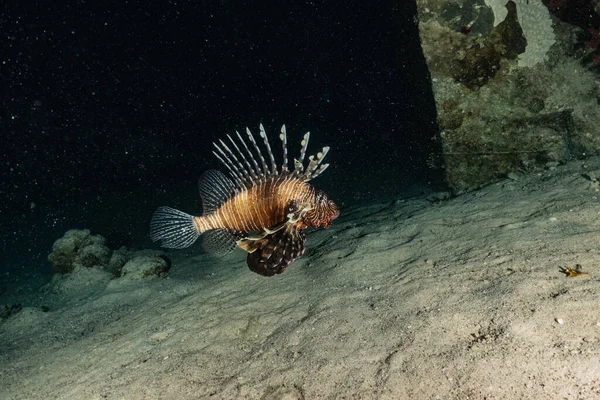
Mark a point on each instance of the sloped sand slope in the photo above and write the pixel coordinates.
(413, 300)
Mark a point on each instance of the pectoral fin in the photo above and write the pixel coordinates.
(254, 240)
(272, 254)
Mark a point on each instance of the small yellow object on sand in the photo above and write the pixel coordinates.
(573, 271)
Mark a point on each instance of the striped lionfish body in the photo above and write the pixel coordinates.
(260, 208)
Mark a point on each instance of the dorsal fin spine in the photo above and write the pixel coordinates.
(258, 152)
(263, 135)
(283, 137)
(256, 167)
(235, 174)
(234, 162)
(307, 171)
(299, 164)
(248, 171)
(314, 164)
(244, 168)
(244, 174)
(321, 169)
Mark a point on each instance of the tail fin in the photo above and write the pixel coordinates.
(175, 229)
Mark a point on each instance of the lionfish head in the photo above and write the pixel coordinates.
(324, 212)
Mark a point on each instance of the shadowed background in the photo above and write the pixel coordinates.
(111, 110)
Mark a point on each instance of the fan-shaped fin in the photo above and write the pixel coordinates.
(215, 188)
(173, 228)
(245, 170)
(218, 241)
(275, 252)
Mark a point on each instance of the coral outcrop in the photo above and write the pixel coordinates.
(144, 266)
(82, 261)
(79, 248)
(512, 91)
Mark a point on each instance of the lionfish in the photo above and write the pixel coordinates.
(262, 209)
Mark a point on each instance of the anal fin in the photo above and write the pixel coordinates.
(219, 241)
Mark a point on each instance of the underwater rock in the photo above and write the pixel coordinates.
(117, 260)
(81, 280)
(85, 265)
(438, 197)
(482, 61)
(459, 52)
(537, 24)
(121, 256)
(143, 267)
(93, 256)
(511, 89)
(6, 310)
(78, 248)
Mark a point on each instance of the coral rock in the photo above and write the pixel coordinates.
(78, 247)
(142, 267)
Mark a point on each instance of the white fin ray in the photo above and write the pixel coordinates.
(256, 167)
(246, 171)
(318, 172)
(315, 162)
(283, 137)
(219, 241)
(263, 135)
(233, 166)
(243, 173)
(173, 228)
(215, 189)
(265, 170)
(299, 164)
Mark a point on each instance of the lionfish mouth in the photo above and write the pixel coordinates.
(328, 223)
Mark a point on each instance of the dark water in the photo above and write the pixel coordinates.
(109, 111)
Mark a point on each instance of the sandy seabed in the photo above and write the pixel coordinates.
(458, 299)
